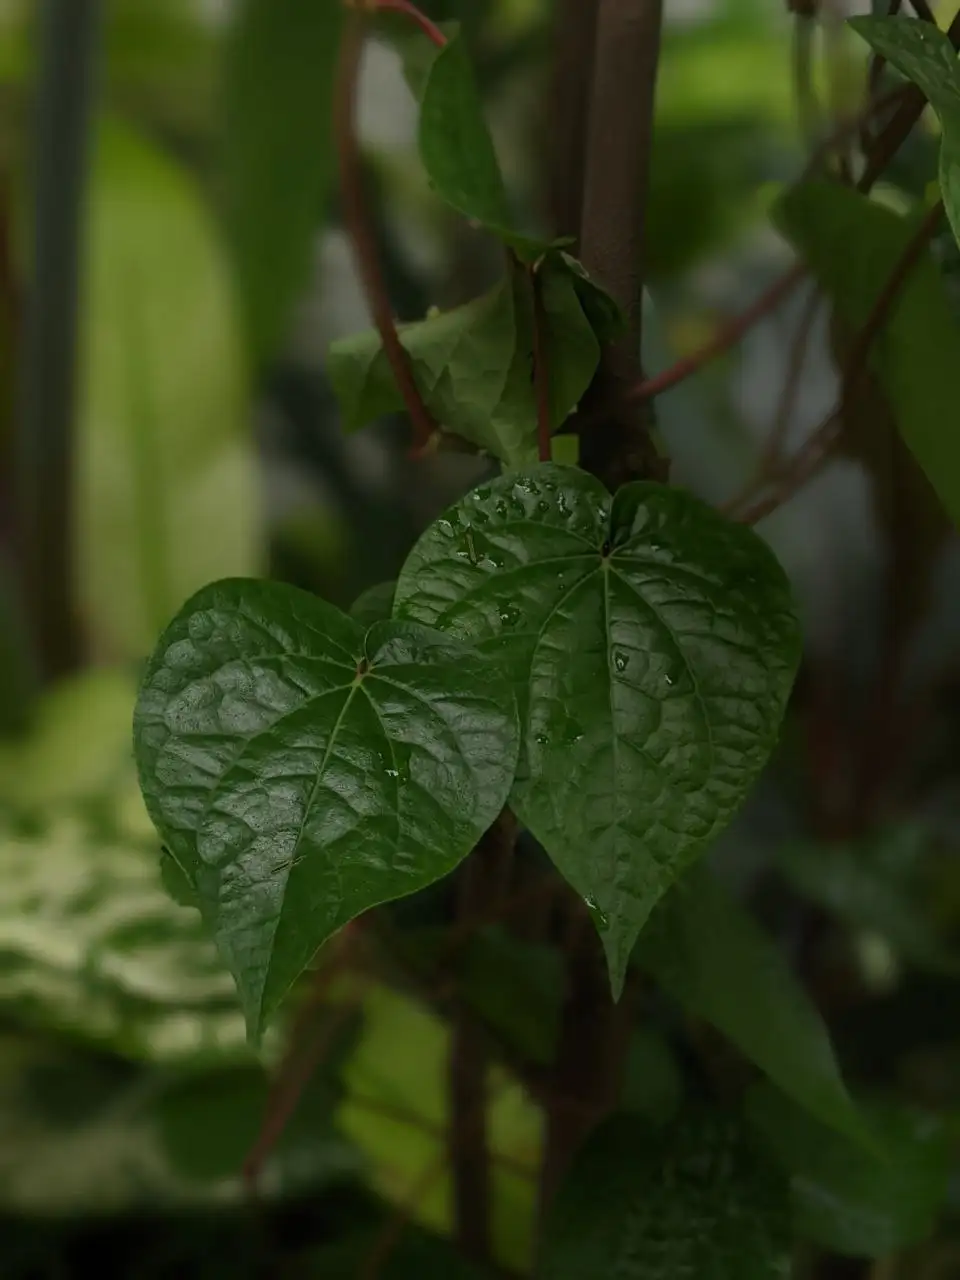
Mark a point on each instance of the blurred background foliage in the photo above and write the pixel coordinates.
(208, 444)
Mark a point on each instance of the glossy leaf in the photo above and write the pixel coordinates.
(647, 1204)
(652, 645)
(166, 486)
(850, 1200)
(302, 771)
(279, 159)
(923, 53)
(852, 245)
(473, 366)
(711, 956)
(374, 605)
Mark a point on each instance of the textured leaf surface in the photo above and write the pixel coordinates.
(850, 1200)
(279, 157)
(710, 955)
(652, 645)
(692, 1201)
(923, 53)
(474, 365)
(302, 771)
(166, 486)
(853, 245)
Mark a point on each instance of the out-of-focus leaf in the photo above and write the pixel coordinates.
(852, 245)
(648, 1204)
(859, 884)
(417, 52)
(517, 988)
(848, 1199)
(474, 365)
(923, 53)
(78, 748)
(278, 151)
(396, 1111)
(707, 952)
(652, 1086)
(92, 947)
(18, 674)
(166, 481)
(417, 1256)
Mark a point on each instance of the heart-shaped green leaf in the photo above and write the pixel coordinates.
(653, 646)
(302, 770)
(695, 1200)
(923, 53)
(474, 365)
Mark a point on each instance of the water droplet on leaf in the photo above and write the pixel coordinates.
(620, 660)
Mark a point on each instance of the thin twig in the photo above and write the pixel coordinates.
(408, 10)
(541, 372)
(360, 229)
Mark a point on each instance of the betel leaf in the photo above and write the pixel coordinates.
(458, 153)
(924, 54)
(302, 770)
(648, 1204)
(653, 646)
(853, 245)
(474, 366)
(846, 1198)
(278, 151)
(712, 957)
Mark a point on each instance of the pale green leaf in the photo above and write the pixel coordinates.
(166, 484)
(652, 645)
(279, 161)
(302, 770)
(853, 245)
(711, 956)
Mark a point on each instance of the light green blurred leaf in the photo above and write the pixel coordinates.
(278, 151)
(708, 953)
(847, 1199)
(166, 478)
(852, 246)
(396, 1111)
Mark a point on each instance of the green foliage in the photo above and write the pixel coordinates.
(923, 53)
(708, 953)
(849, 1199)
(647, 1204)
(302, 771)
(165, 478)
(278, 157)
(473, 365)
(652, 645)
(852, 245)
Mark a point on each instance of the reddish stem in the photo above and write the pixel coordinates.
(360, 230)
(426, 25)
(541, 375)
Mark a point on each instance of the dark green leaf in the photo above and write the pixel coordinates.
(606, 318)
(417, 1256)
(853, 245)
(457, 150)
(474, 366)
(278, 158)
(652, 645)
(417, 52)
(923, 53)
(708, 953)
(692, 1201)
(301, 771)
(652, 1085)
(846, 1198)
(374, 605)
(858, 884)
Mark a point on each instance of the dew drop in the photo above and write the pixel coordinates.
(668, 680)
(600, 918)
(392, 773)
(541, 739)
(620, 660)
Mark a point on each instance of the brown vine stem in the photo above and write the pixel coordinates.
(541, 372)
(408, 10)
(360, 230)
(818, 448)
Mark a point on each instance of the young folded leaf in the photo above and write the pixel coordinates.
(302, 770)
